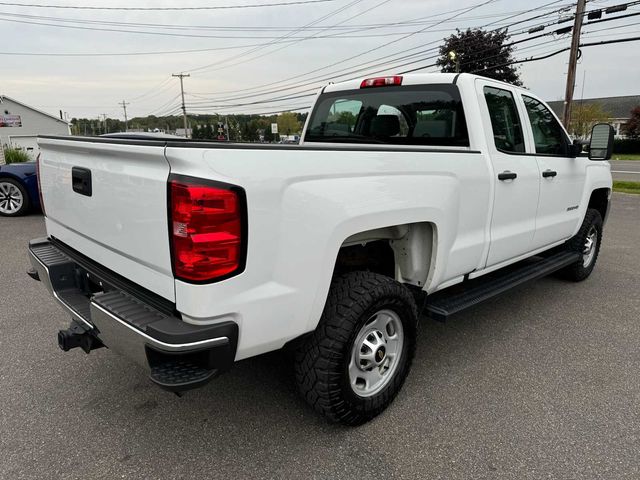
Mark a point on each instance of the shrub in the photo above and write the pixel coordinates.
(11, 155)
(626, 145)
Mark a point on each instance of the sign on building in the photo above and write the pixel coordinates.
(10, 121)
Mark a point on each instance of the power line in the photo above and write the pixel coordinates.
(163, 106)
(284, 37)
(292, 39)
(335, 75)
(153, 89)
(557, 52)
(60, 23)
(525, 60)
(458, 14)
(461, 12)
(282, 98)
(146, 9)
(289, 87)
(315, 90)
(346, 29)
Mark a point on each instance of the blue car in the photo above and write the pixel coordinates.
(18, 189)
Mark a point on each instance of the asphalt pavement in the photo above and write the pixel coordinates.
(542, 382)
(626, 170)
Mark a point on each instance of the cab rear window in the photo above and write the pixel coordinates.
(410, 115)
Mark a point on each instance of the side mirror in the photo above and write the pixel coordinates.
(601, 144)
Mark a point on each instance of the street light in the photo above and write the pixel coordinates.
(453, 56)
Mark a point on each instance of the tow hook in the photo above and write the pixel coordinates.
(77, 336)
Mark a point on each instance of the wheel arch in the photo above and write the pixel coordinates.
(600, 200)
(404, 252)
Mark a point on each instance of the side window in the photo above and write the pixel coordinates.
(547, 133)
(505, 122)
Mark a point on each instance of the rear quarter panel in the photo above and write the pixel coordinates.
(303, 204)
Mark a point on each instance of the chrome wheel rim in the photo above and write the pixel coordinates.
(589, 248)
(376, 353)
(11, 198)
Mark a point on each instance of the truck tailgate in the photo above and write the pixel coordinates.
(108, 201)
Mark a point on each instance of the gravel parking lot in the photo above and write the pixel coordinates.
(539, 383)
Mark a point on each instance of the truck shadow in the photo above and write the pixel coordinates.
(263, 386)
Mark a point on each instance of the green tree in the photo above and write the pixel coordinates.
(208, 132)
(288, 123)
(632, 127)
(486, 53)
(584, 117)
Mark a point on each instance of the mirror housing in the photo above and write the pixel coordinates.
(575, 149)
(601, 144)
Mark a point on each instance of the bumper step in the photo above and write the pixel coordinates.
(180, 375)
(442, 305)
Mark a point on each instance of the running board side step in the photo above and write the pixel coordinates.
(442, 305)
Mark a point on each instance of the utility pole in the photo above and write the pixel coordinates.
(124, 107)
(184, 109)
(104, 121)
(573, 60)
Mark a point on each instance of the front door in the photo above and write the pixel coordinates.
(517, 177)
(562, 177)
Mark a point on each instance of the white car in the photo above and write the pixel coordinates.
(187, 255)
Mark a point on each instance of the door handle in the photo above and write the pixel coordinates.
(507, 175)
(549, 173)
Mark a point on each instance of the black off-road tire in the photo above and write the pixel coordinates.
(579, 271)
(322, 359)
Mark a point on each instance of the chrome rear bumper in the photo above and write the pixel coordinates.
(123, 321)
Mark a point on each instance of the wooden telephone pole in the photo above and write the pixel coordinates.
(184, 109)
(124, 106)
(573, 61)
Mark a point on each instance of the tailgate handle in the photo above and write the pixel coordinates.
(81, 180)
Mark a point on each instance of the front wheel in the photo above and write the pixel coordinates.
(587, 243)
(354, 364)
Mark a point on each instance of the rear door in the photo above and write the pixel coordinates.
(562, 177)
(107, 199)
(517, 178)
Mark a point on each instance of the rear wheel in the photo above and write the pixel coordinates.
(354, 364)
(586, 242)
(14, 200)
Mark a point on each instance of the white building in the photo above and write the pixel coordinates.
(20, 125)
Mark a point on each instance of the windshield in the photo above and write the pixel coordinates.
(412, 115)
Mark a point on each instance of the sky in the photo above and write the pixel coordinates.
(252, 54)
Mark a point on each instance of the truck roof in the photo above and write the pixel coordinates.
(407, 79)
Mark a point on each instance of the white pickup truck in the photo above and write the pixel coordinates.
(188, 256)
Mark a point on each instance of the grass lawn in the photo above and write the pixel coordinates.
(626, 187)
(625, 156)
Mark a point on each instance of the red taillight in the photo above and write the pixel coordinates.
(206, 230)
(39, 184)
(381, 82)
